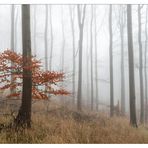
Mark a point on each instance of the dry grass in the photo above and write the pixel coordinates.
(65, 126)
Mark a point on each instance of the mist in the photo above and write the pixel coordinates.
(91, 45)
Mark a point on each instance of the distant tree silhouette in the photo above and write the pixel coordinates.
(81, 18)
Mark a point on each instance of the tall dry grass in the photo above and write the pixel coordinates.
(61, 125)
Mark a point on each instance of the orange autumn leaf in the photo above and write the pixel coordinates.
(11, 64)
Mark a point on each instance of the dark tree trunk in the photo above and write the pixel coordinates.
(24, 115)
(80, 46)
(140, 67)
(132, 97)
(111, 63)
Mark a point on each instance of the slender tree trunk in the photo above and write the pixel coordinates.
(51, 39)
(111, 63)
(12, 42)
(96, 65)
(132, 97)
(16, 21)
(122, 65)
(46, 38)
(80, 46)
(140, 67)
(63, 40)
(91, 59)
(24, 115)
(34, 29)
(73, 45)
(12, 28)
(79, 103)
(87, 72)
(62, 50)
(46, 48)
(145, 69)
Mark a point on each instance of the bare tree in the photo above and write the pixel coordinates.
(12, 40)
(34, 30)
(72, 16)
(81, 18)
(91, 57)
(15, 29)
(46, 48)
(51, 39)
(140, 66)
(87, 69)
(24, 114)
(63, 40)
(111, 63)
(62, 62)
(96, 55)
(12, 28)
(46, 38)
(145, 69)
(121, 29)
(132, 97)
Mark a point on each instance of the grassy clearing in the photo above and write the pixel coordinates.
(64, 126)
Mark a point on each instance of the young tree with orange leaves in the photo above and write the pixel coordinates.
(40, 78)
(27, 75)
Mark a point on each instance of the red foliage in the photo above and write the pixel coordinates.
(11, 64)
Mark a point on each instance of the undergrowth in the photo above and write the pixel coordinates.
(65, 126)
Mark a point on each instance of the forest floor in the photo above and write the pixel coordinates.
(62, 125)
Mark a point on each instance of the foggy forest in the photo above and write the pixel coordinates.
(74, 73)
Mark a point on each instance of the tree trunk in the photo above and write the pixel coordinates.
(12, 28)
(15, 25)
(145, 69)
(96, 65)
(73, 46)
(12, 41)
(63, 40)
(46, 38)
(91, 59)
(111, 64)
(87, 71)
(79, 103)
(122, 64)
(80, 46)
(34, 29)
(62, 50)
(140, 67)
(51, 39)
(24, 115)
(132, 97)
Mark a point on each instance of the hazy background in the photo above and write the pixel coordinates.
(102, 43)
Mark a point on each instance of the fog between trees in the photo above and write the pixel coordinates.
(102, 49)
